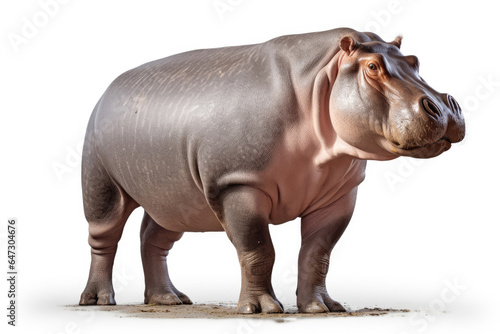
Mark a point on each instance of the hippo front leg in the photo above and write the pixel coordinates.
(320, 232)
(244, 214)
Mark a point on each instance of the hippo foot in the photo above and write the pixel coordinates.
(173, 297)
(320, 303)
(93, 296)
(259, 304)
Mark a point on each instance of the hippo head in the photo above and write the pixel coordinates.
(381, 106)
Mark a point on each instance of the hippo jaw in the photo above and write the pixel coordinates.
(395, 109)
(425, 151)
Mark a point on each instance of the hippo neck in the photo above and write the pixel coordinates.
(313, 76)
(331, 145)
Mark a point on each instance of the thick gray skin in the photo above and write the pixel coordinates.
(224, 139)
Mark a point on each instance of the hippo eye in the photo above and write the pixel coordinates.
(372, 66)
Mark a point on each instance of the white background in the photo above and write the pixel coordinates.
(418, 223)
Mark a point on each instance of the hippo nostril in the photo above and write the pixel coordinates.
(431, 108)
(454, 104)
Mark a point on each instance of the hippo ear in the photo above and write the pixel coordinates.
(348, 45)
(397, 41)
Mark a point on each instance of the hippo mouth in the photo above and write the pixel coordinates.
(423, 151)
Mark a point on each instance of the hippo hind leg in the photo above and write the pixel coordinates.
(107, 208)
(156, 243)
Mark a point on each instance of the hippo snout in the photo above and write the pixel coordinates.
(434, 122)
(450, 106)
(446, 112)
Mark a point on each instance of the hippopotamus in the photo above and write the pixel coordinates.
(237, 138)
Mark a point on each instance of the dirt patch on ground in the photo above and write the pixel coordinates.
(222, 311)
